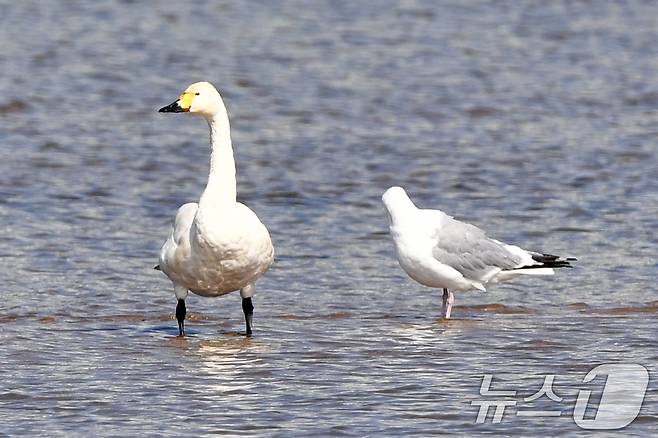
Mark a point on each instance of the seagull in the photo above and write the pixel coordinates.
(438, 251)
(217, 245)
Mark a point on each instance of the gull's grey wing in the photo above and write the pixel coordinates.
(467, 249)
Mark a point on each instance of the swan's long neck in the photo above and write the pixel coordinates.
(221, 189)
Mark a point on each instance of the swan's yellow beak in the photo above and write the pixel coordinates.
(182, 105)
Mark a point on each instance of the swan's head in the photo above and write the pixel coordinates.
(199, 98)
(397, 204)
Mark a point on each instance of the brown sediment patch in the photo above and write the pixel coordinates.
(14, 396)
(226, 354)
(13, 106)
(651, 307)
(482, 111)
(579, 306)
(48, 320)
(15, 317)
(648, 419)
(246, 83)
(497, 308)
(131, 318)
(231, 341)
(329, 316)
(10, 318)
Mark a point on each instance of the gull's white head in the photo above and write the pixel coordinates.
(397, 204)
(200, 98)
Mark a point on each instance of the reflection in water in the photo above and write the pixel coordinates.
(228, 363)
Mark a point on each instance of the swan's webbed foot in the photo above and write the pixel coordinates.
(248, 309)
(181, 311)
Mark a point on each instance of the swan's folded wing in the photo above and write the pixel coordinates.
(183, 222)
(179, 239)
(467, 249)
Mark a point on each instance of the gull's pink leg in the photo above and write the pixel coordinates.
(445, 302)
(448, 299)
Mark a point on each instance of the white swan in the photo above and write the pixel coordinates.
(438, 251)
(218, 245)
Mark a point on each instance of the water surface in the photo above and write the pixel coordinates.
(536, 121)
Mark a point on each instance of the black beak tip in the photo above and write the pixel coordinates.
(171, 108)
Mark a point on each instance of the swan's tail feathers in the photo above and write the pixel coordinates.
(157, 268)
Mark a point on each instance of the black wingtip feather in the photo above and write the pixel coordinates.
(551, 261)
(157, 268)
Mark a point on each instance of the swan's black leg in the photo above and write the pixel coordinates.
(248, 309)
(181, 311)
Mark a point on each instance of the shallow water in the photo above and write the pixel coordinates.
(537, 122)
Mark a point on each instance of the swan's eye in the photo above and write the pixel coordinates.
(196, 94)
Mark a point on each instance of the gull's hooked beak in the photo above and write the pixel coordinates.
(182, 105)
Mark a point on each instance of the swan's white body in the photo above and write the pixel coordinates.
(218, 245)
(212, 256)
